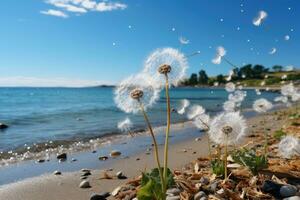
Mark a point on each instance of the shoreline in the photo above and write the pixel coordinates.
(65, 186)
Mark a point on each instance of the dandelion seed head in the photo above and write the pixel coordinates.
(175, 60)
(257, 91)
(229, 106)
(261, 16)
(230, 87)
(273, 51)
(202, 121)
(135, 90)
(183, 105)
(262, 105)
(289, 146)
(194, 111)
(237, 96)
(282, 99)
(125, 125)
(227, 126)
(288, 89)
(220, 52)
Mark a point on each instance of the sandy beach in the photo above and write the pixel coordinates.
(66, 186)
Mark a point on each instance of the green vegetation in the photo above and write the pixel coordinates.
(249, 75)
(279, 134)
(248, 158)
(218, 167)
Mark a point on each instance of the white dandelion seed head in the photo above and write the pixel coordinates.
(238, 96)
(227, 126)
(282, 99)
(261, 16)
(283, 77)
(263, 83)
(243, 76)
(202, 121)
(266, 76)
(229, 106)
(125, 125)
(295, 96)
(288, 89)
(258, 92)
(267, 88)
(166, 56)
(273, 51)
(183, 40)
(194, 111)
(141, 82)
(230, 87)
(220, 52)
(240, 87)
(183, 105)
(216, 84)
(289, 146)
(286, 37)
(262, 105)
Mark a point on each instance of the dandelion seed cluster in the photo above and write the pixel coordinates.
(289, 146)
(228, 120)
(183, 105)
(195, 111)
(221, 52)
(125, 125)
(262, 15)
(166, 56)
(230, 87)
(202, 121)
(262, 105)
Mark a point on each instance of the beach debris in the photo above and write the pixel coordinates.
(103, 158)
(200, 196)
(120, 175)
(62, 156)
(173, 192)
(115, 153)
(84, 184)
(3, 126)
(57, 172)
(116, 191)
(173, 198)
(105, 175)
(97, 197)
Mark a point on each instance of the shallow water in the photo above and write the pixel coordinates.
(38, 115)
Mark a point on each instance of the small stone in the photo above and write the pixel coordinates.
(115, 153)
(84, 184)
(213, 186)
(173, 192)
(173, 198)
(86, 174)
(203, 198)
(198, 139)
(116, 191)
(271, 188)
(292, 198)
(199, 195)
(62, 156)
(40, 161)
(120, 175)
(137, 159)
(94, 151)
(57, 172)
(83, 177)
(85, 170)
(288, 190)
(73, 160)
(97, 197)
(105, 194)
(204, 181)
(3, 126)
(103, 158)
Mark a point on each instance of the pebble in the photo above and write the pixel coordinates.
(97, 197)
(198, 139)
(271, 188)
(57, 172)
(84, 184)
(94, 151)
(173, 198)
(105, 194)
(137, 159)
(62, 156)
(213, 186)
(199, 195)
(116, 191)
(292, 198)
(85, 170)
(288, 190)
(40, 160)
(204, 180)
(173, 192)
(86, 174)
(115, 153)
(103, 158)
(120, 175)
(73, 160)
(3, 126)
(83, 177)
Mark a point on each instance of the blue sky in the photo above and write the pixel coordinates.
(66, 42)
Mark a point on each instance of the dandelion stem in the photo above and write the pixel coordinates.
(155, 145)
(167, 131)
(266, 138)
(225, 162)
(230, 63)
(208, 139)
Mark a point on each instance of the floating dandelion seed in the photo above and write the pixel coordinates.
(243, 76)
(227, 126)
(282, 99)
(114, 44)
(183, 105)
(289, 68)
(287, 37)
(262, 105)
(238, 28)
(237, 96)
(242, 10)
(292, 29)
(183, 40)
(262, 15)
(230, 87)
(266, 76)
(136, 90)
(283, 77)
(289, 146)
(216, 84)
(194, 111)
(288, 90)
(173, 29)
(129, 26)
(125, 126)
(175, 63)
(229, 106)
(202, 121)
(221, 52)
(273, 51)
(222, 36)
(248, 40)
(263, 83)
(221, 20)
(257, 91)
(289, 8)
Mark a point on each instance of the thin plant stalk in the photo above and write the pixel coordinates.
(225, 162)
(167, 132)
(155, 146)
(266, 138)
(208, 139)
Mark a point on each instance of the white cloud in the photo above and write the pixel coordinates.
(56, 13)
(82, 6)
(22, 81)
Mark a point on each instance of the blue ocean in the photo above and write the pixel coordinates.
(37, 115)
